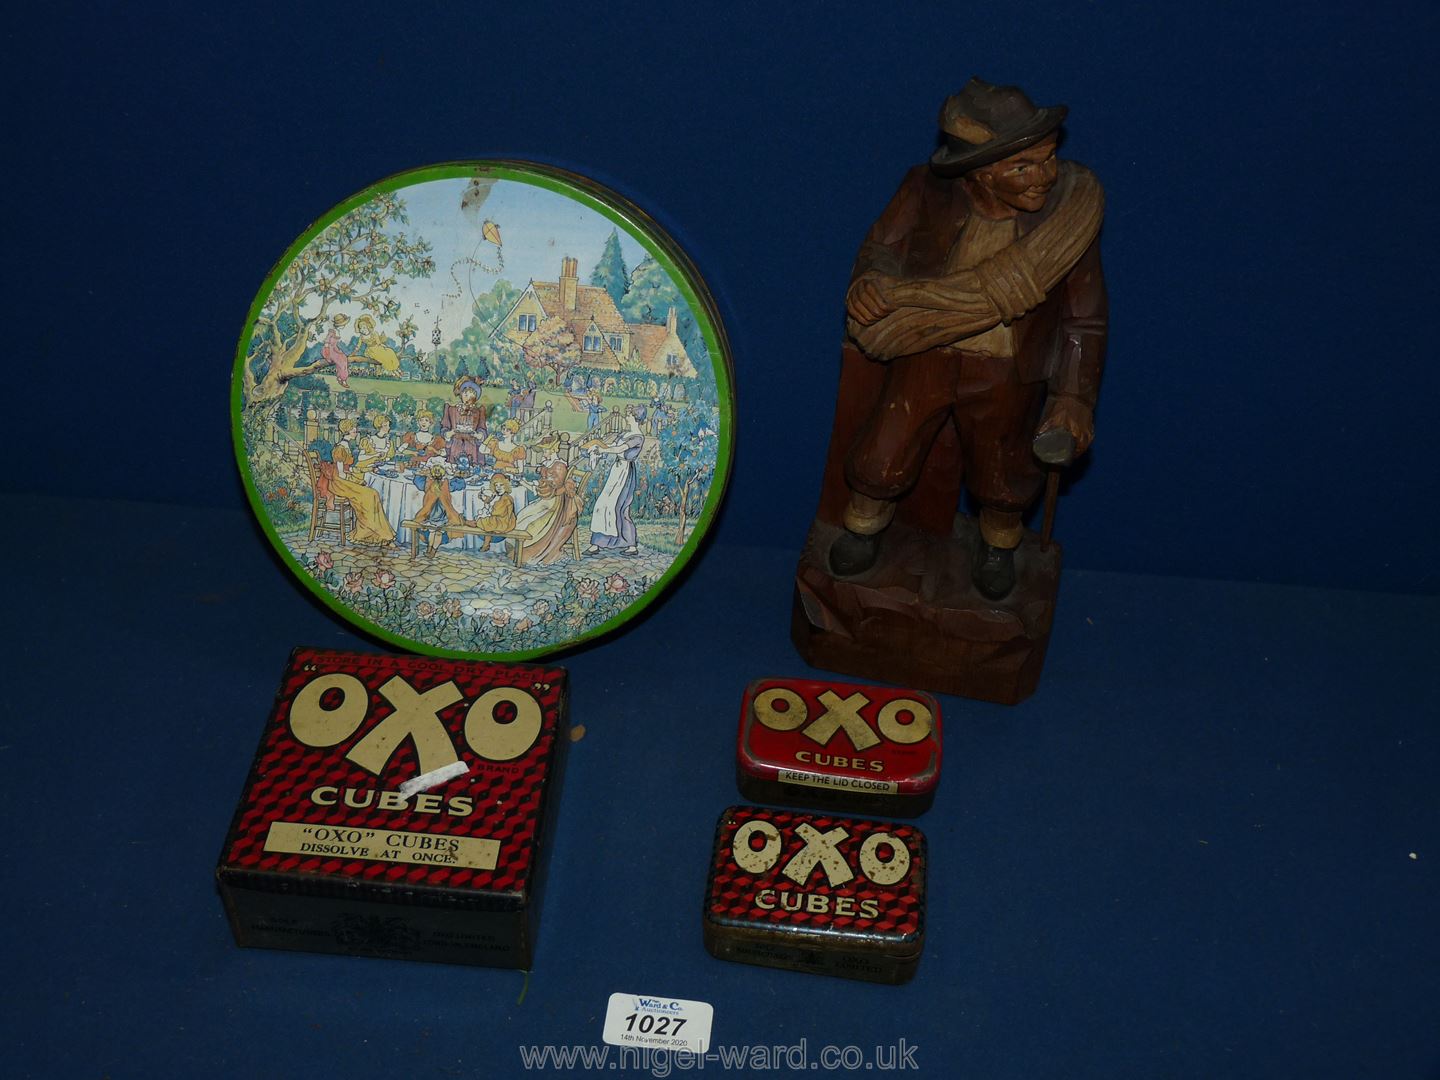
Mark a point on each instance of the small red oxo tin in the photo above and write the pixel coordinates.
(812, 892)
(839, 746)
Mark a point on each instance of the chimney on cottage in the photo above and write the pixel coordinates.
(569, 281)
(670, 320)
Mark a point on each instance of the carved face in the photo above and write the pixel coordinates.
(1024, 179)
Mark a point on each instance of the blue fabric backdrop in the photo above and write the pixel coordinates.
(1207, 847)
(1270, 243)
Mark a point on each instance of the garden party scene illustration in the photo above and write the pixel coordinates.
(484, 410)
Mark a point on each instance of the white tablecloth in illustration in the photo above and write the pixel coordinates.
(401, 501)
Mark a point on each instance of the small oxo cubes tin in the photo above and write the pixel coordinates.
(839, 746)
(810, 892)
(398, 806)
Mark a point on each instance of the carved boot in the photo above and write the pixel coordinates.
(993, 571)
(852, 554)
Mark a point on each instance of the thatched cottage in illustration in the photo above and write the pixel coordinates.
(606, 341)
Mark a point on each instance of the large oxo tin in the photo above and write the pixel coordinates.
(398, 806)
(839, 746)
(835, 896)
(484, 409)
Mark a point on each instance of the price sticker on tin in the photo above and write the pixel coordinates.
(658, 1022)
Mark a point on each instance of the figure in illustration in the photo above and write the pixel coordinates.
(334, 353)
(464, 423)
(423, 442)
(591, 405)
(377, 448)
(438, 506)
(509, 455)
(372, 346)
(371, 525)
(559, 446)
(501, 517)
(551, 516)
(611, 526)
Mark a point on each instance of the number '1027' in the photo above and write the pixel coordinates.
(654, 1025)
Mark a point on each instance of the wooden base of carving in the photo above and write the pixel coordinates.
(915, 618)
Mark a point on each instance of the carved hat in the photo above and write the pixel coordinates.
(984, 123)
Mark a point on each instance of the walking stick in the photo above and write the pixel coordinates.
(1055, 449)
(1052, 496)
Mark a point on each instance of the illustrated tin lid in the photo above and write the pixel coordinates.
(484, 409)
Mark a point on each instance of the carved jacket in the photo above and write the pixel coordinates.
(1062, 340)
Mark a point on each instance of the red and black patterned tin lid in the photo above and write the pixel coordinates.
(841, 883)
(324, 799)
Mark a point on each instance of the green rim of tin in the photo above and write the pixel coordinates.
(655, 241)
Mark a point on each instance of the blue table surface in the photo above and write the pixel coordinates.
(1206, 847)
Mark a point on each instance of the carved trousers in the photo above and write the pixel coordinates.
(995, 416)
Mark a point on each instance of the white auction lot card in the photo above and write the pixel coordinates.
(658, 1022)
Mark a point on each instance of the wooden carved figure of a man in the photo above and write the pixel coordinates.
(978, 308)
